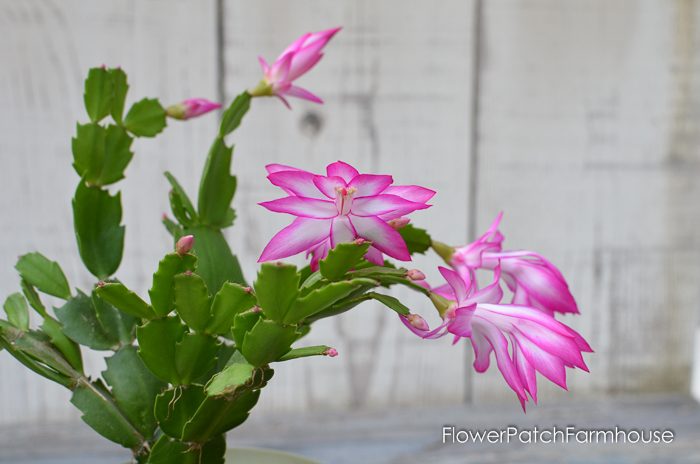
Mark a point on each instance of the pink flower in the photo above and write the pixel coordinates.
(523, 339)
(341, 206)
(191, 108)
(533, 280)
(295, 60)
(184, 244)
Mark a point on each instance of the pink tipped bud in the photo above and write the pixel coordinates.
(247, 289)
(184, 245)
(100, 284)
(331, 352)
(359, 241)
(417, 321)
(164, 217)
(256, 309)
(398, 223)
(191, 108)
(415, 274)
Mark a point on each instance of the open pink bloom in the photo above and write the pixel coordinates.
(533, 280)
(296, 60)
(524, 339)
(341, 206)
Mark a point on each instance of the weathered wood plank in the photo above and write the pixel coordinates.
(169, 50)
(396, 86)
(589, 141)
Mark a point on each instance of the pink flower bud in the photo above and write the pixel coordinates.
(418, 322)
(359, 241)
(184, 245)
(398, 223)
(256, 309)
(191, 108)
(415, 274)
(331, 352)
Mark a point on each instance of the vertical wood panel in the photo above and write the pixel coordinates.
(589, 142)
(168, 48)
(396, 82)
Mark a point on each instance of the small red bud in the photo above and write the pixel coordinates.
(417, 321)
(256, 309)
(331, 352)
(184, 245)
(398, 223)
(415, 274)
(100, 284)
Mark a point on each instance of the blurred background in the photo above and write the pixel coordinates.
(578, 119)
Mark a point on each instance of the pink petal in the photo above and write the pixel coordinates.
(370, 184)
(381, 204)
(304, 60)
(280, 70)
(263, 64)
(342, 231)
(329, 185)
(275, 167)
(411, 192)
(299, 183)
(304, 207)
(318, 253)
(499, 343)
(461, 325)
(297, 44)
(459, 286)
(374, 256)
(298, 92)
(299, 236)
(492, 293)
(525, 370)
(546, 363)
(343, 170)
(383, 237)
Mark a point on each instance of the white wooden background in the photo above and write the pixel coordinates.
(577, 118)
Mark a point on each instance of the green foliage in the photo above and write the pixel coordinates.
(99, 93)
(390, 302)
(17, 311)
(174, 355)
(341, 259)
(267, 341)
(69, 349)
(169, 451)
(242, 323)
(323, 297)
(102, 414)
(217, 186)
(97, 217)
(101, 155)
(233, 115)
(134, 388)
(277, 288)
(192, 301)
(417, 240)
(180, 203)
(305, 352)
(215, 262)
(92, 322)
(161, 292)
(146, 118)
(231, 300)
(45, 275)
(120, 89)
(125, 300)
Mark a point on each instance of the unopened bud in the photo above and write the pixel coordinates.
(331, 352)
(256, 309)
(184, 245)
(101, 284)
(247, 289)
(417, 321)
(191, 108)
(415, 274)
(398, 223)
(359, 241)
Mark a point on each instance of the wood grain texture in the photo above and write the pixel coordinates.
(588, 136)
(168, 48)
(397, 100)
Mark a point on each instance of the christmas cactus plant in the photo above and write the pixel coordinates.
(187, 363)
